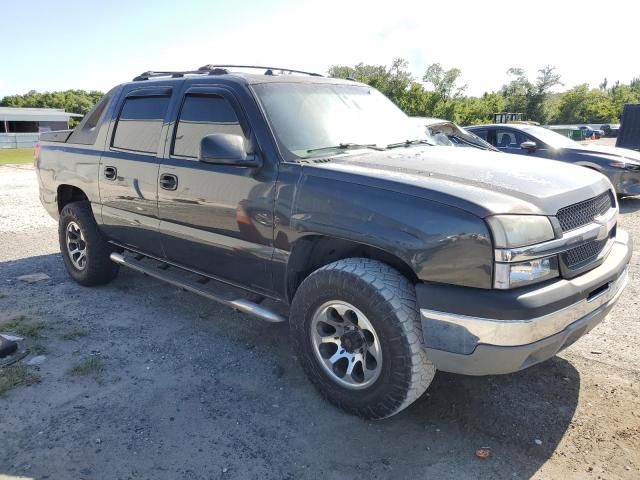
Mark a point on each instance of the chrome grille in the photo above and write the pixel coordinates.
(579, 214)
(584, 253)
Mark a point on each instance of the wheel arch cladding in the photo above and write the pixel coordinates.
(312, 252)
(69, 193)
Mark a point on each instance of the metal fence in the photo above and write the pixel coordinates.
(18, 140)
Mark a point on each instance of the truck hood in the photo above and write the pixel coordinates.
(481, 182)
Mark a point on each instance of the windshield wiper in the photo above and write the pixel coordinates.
(408, 143)
(346, 146)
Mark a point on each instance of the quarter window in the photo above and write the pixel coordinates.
(203, 115)
(87, 131)
(140, 124)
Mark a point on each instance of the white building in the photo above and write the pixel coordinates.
(19, 127)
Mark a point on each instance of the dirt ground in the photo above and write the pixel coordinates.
(142, 380)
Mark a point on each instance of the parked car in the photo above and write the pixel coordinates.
(620, 165)
(590, 133)
(447, 133)
(610, 130)
(317, 200)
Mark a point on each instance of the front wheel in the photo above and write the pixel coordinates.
(356, 329)
(84, 248)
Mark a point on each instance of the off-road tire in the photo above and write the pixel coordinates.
(388, 300)
(99, 269)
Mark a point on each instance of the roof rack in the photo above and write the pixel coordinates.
(217, 70)
(267, 70)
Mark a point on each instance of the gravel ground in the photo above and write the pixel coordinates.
(168, 385)
(605, 141)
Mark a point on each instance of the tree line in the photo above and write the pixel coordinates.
(439, 93)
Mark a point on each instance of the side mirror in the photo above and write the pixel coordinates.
(529, 146)
(226, 149)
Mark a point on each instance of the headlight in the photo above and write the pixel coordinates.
(511, 231)
(626, 164)
(511, 275)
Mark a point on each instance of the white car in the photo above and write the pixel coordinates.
(447, 133)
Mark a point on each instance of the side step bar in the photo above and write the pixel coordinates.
(194, 286)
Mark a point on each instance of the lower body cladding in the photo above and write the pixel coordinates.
(487, 332)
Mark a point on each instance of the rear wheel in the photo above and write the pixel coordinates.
(356, 329)
(84, 248)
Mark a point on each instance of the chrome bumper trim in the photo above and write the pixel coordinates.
(597, 230)
(522, 332)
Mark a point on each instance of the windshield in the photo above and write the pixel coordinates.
(450, 134)
(551, 138)
(464, 136)
(312, 119)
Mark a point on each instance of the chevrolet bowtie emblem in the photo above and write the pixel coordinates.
(605, 222)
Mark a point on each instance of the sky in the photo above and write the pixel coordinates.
(95, 45)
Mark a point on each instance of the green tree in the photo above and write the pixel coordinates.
(476, 110)
(394, 81)
(445, 82)
(441, 95)
(524, 96)
(582, 105)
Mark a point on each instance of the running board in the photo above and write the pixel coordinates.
(179, 278)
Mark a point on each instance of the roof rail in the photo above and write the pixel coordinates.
(267, 70)
(216, 70)
(152, 74)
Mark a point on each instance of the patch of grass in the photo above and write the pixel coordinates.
(38, 349)
(91, 366)
(24, 327)
(15, 376)
(16, 155)
(74, 334)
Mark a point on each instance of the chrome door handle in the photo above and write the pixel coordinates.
(168, 181)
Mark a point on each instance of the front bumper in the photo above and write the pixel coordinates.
(483, 332)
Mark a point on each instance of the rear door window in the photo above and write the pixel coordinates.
(140, 124)
(203, 115)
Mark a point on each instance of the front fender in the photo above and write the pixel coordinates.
(440, 243)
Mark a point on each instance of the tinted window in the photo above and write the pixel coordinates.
(509, 139)
(482, 134)
(201, 116)
(140, 124)
(95, 114)
(87, 132)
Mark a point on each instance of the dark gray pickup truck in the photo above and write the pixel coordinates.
(285, 194)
